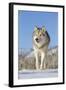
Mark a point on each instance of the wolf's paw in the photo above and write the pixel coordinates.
(41, 67)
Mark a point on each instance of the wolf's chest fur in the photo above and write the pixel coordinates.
(42, 49)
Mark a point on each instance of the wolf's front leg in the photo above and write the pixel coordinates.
(37, 60)
(42, 60)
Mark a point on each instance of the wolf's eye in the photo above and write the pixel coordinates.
(40, 34)
(43, 34)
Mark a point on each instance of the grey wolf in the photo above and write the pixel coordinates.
(41, 40)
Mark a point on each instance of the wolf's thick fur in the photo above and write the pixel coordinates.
(41, 41)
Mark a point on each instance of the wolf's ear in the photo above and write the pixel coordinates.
(35, 29)
(43, 29)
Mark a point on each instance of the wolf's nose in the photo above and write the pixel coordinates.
(37, 39)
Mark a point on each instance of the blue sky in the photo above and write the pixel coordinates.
(27, 20)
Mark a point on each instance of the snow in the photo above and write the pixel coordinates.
(28, 74)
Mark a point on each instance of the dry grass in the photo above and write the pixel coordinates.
(51, 62)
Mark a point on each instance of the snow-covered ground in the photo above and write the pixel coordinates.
(28, 74)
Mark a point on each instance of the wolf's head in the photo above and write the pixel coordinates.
(40, 36)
